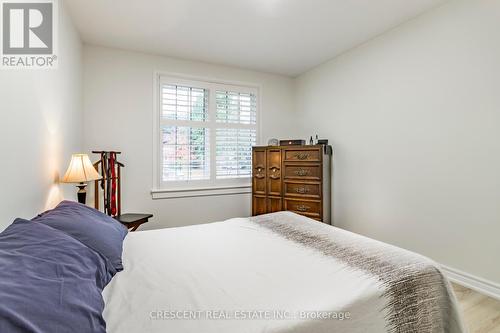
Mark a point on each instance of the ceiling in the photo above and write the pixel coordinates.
(278, 36)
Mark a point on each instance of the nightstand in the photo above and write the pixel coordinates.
(133, 221)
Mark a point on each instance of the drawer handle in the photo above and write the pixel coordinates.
(303, 208)
(259, 170)
(275, 172)
(302, 190)
(302, 156)
(301, 172)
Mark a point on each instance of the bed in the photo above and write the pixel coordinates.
(279, 272)
(76, 270)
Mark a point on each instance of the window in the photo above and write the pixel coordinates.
(206, 131)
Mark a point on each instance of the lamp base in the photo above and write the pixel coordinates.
(82, 193)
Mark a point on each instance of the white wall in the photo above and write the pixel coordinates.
(414, 116)
(41, 120)
(118, 108)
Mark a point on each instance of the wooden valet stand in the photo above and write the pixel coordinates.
(104, 185)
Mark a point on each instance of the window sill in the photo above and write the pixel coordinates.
(200, 192)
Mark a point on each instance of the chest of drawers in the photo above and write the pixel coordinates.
(294, 178)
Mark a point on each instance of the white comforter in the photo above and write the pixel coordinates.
(240, 276)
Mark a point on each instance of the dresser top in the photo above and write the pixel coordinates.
(327, 149)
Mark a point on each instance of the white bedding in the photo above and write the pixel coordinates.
(239, 276)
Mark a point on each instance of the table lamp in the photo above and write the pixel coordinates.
(81, 171)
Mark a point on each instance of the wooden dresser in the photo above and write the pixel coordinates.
(294, 178)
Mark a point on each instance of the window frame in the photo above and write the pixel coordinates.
(188, 188)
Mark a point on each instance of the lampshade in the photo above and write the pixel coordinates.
(80, 170)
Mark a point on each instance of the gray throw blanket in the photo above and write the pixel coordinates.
(418, 296)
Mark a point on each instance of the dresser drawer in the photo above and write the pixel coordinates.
(310, 208)
(300, 189)
(303, 171)
(302, 155)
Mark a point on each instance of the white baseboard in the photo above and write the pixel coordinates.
(470, 281)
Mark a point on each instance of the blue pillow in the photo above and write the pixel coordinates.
(96, 230)
(49, 281)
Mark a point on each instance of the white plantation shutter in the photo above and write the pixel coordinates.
(207, 131)
(234, 152)
(184, 103)
(185, 149)
(234, 107)
(186, 153)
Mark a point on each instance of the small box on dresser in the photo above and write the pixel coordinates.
(294, 178)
